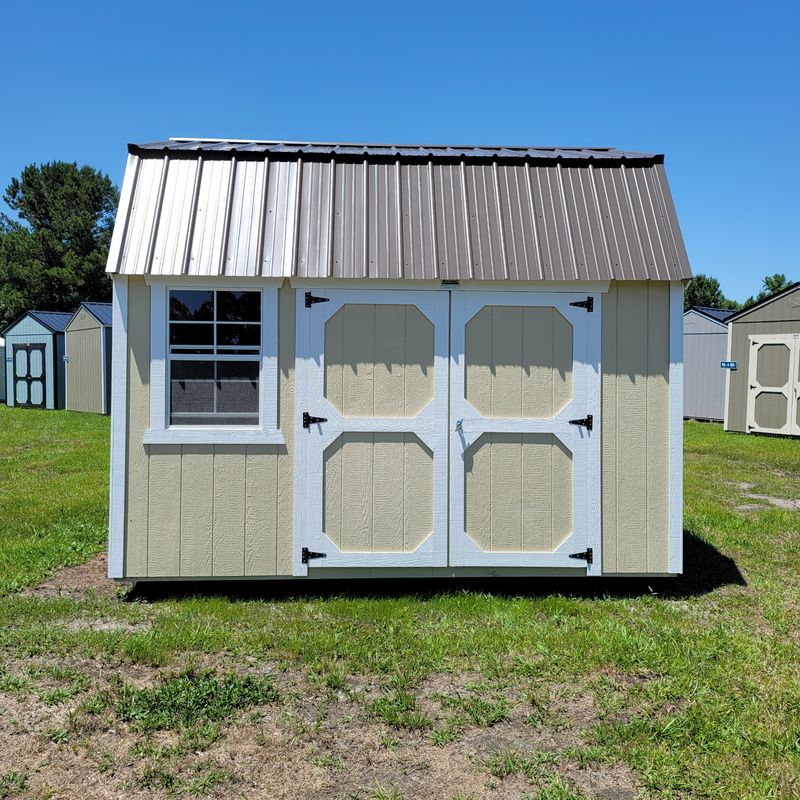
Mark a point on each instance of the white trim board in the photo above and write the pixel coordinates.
(119, 429)
(675, 550)
(405, 284)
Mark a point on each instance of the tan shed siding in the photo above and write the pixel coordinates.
(779, 316)
(203, 510)
(85, 366)
(635, 427)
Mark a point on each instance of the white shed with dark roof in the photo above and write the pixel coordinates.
(705, 348)
(336, 360)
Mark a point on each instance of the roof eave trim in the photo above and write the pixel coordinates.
(744, 311)
(645, 160)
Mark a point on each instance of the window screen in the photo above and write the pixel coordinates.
(214, 357)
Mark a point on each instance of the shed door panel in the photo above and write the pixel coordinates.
(524, 481)
(29, 375)
(374, 365)
(772, 384)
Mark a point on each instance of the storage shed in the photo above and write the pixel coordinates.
(88, 357)
(35, 374)
(762, 393)
(705, 347)
(338, 360)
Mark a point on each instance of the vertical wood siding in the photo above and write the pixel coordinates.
(85, 367)
(518, 492)
(379, 360)
(518, 362)
(202, 510)
(378, 493)
(635, 427)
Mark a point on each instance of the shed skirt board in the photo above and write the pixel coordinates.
(372, 477)
(524, 480)
(773, 402)
(29, 376)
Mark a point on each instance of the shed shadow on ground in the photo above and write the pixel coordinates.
(705, 569)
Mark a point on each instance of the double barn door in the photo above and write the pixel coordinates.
(447, 428)
(29, 390)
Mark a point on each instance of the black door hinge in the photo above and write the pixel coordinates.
(588, 304)
(586, 555)
(306, 555)
(308, 420)
(311, 299)
(586, 422)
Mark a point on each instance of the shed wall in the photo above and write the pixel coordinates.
(209, 511)
(635, 424)
(705, 344)
(2, 374)
(206, 511)
(84, 345)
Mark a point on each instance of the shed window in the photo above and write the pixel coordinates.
(213, 363)
(214, 357)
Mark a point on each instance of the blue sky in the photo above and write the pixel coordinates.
(714, 86)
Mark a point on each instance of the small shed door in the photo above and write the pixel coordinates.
(372, 383)
(29, 375)
(772, 386)
(525, 430)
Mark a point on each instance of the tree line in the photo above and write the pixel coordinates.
(53, 256)
(704, 290)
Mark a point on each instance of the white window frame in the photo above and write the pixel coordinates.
(160, 431)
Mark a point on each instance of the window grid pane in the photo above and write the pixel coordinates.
(229, 393)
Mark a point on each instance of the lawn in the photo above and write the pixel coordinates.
(673, 688)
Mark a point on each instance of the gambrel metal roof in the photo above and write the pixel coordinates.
(250, 208)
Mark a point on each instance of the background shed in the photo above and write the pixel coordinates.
(705, 345)
(35, 369)
(764, 340)
(88, 350)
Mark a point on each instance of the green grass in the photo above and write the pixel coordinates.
(191, 699)
(53, 492)
(696, 680)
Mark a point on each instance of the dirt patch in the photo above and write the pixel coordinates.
(764, 500)
(80, 580)
(314, 743)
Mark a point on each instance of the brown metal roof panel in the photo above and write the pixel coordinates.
(485, 224)
(522, 251)
(418, 226)
(451, 220)
(682, 267)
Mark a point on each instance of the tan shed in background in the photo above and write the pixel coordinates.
(762, 392)
(88, 357)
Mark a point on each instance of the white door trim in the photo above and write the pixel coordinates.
(430, 425)
(466, 425)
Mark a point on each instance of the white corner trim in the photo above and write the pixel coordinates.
(159, 431)
(119, 429)
(676, 427)
(725, 426)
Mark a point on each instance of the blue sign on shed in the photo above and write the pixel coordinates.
(727, 364)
